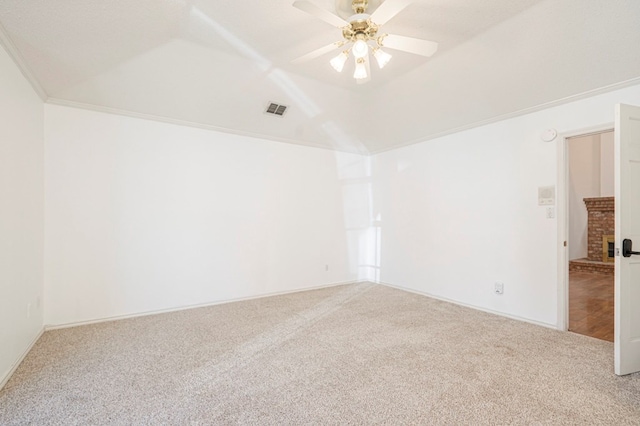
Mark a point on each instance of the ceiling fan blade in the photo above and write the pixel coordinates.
(318, 52)
(388, 10)
(320, 13)
(410, 44)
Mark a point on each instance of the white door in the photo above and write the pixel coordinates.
(627, 272)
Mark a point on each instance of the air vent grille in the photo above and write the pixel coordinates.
(276, 109)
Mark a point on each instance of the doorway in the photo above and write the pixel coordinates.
(591, 230)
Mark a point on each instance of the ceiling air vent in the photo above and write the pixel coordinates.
(276, 109)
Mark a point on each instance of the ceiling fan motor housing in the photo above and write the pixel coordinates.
(360, 26)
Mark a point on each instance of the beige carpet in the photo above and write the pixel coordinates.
(356, 354)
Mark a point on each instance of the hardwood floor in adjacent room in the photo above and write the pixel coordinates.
(591, 304)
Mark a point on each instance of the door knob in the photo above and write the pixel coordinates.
(626, 248)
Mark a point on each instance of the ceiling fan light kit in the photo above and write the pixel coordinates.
(382, 57)
(361, 69)
(361, 32)
(360, 49)
(338, 62)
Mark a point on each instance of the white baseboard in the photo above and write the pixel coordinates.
(200, 305)
(16, 364)
(466, 305)
(279, 293)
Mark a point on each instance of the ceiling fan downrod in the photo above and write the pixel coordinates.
(359, 6)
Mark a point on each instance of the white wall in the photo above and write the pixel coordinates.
(144, 216)
(21, 215)
(591, 175)
(460, 212)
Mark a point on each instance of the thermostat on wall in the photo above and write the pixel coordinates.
(546, 195)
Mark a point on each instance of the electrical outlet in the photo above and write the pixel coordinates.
(498, 288)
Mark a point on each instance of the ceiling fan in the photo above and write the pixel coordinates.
(361, 34)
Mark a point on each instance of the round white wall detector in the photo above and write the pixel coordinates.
(549, 135)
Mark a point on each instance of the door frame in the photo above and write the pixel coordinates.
(562, 216)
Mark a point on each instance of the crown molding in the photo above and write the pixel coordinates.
(519, 113)
(162, 119)
(14, 54)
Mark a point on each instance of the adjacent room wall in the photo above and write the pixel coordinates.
(21, 215)
(591, 175)
(144, 216)
(607, 170)
(459, 213)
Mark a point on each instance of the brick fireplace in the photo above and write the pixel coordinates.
(601, 228)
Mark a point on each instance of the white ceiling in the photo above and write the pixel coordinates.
(217, 64)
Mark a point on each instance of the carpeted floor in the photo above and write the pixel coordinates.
(356, 354)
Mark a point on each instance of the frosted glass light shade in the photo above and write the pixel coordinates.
(361, 70)
(382, 57)
(360, 49)
(338, 62)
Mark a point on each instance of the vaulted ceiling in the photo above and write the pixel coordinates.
(217, 64)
